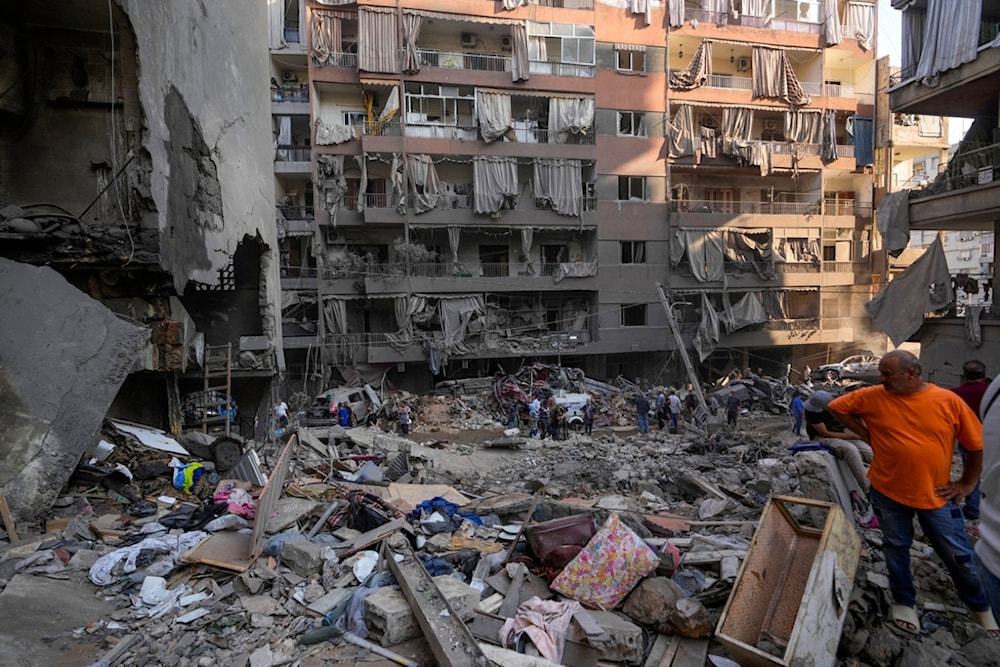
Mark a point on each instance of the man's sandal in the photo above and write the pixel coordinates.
(905, 619)
(989, 623)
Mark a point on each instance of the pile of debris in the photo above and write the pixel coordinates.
(651, 550)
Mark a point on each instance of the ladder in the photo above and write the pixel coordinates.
(218, 366)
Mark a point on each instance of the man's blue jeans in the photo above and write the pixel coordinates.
(971, 506)
(673, 419)
(991, 584)
(643, 419)
(944, 528)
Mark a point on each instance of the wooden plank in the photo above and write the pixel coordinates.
(524, 524)
(269, 497)
(658, 654)
(372, 536)
(449, 639)
(691, 653)
(226, 549)
(8, 520)
(708, 557)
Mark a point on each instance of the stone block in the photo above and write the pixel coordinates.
(287, 511)
(391, 621)
(626, 637)
(653, 600)
(304, 558)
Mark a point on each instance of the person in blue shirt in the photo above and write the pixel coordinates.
(798, 412)
(344, 415)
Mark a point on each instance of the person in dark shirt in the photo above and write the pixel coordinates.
(733, 405)
(974, 385)
(642, 413)
(824, 427)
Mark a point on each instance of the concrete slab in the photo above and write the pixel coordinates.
(63, 357)
(39, 614)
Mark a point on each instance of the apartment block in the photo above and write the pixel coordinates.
(962, 199)
(462, 189)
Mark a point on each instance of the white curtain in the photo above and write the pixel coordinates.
(519, 66)
(680, 133)
(737, 125)
(494, 183)
(378, 40)
(698, 72)
(569, 116)
(707, 336)
(861, 21)
(675, 13)
(950, 37)
(411, 31)
(803, 127)
(335, 315)
(425, 186)
(559, 182)
(494, 114)
(643, 8)
(454, 236)
(455, 314)
(537, 50)
(759, 8)
(326, 37)
(276, 23)
(774, 77)
(831, 22)
(527, 236)
(405, 307)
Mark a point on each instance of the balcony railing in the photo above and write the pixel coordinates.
(297, 212)
(293, 154)
(560, 69)
(978, 167)
(842, 267)
(377, 128)
(289, 94)
(730, 82)
(845, 151)
(838, 90)
(764, 208)
(796, 267)
(482, 62)
(384, 270)
(339, 59)
(725, 18)
(790, 148)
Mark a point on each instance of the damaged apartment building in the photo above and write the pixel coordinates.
(460, 190)
(134, 174)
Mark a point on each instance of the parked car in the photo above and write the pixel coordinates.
(573, 404)
(358, 398)
(855, 367)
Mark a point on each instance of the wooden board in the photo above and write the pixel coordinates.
(8, 520)
(227, 549)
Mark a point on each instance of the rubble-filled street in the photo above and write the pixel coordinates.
(469, 542)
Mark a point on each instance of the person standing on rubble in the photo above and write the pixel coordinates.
(642, 412)
(404, 419)
(798, 412)
(588, 417)
(974, 385)
(281, 413)
(674, 404)
(543, 420)
(661, 409)
(733, 405)
(912, 426)
(533, 409)
(988, 547)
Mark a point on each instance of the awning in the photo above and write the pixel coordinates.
(463, 17)
(379, 82)
(519, 92)
(630, 47)
(505, 228)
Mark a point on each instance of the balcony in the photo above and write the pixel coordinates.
(756, 208)
(340, 59)
(481, 62)
(297, 212)
(298, 277)
(777, 23)
(560, 69)
(300, 94)
(293, 154)
(465, 276)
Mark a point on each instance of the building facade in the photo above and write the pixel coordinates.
(461, 191)
(963, 198)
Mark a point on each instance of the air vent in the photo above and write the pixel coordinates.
(505, 43)
(743, 64)
(469, 40)
(289, 76)
(770, 124)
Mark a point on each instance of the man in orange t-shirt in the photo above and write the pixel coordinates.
(912, 426)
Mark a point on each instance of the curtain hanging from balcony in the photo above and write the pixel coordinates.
(862, 133)
(363, 184)
(796, 250)
(411, 31)
(750, 251)
(454, 237)
(456, 314)
(893, 215)
(331, 183)
(675, 13)
(803, 127)
(773, 77)
(760, 8)
(569, 116)
(748, 310)
(775, 304)
(425, 186)
(951, 37)
(737, 125)
(861, 21)
(642, 8)
(680, 133)
(494, 114)
(707, 336)
(378, 40)
(511, 5)
(519, 65)
(559, 182)
(828, 151)
(398, 181)
(325, 30)
(494, 183)
(335, 314)
(924, 287)
(914, 23)
(831, 22)
(527, 236)
(329, 134)
(705, 250)
(276, 24)
(405, 307)
(537, 50)
(282, 129)
(698, 72)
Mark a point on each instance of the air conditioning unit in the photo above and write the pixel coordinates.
(289, 77)
(770, 124)
(505, 43)
(469, 40)
(707, 120)
(743, 64)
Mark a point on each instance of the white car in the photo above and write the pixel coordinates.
(856, 367)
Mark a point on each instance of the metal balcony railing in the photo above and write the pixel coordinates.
(339, 59)
(293, 154)
(840, 267)
(377, 128)
(289, 94)
(762, 208)
(838, 89)
(725, 18)
(482, 62)
(297, 212)
(965, 170)
(730, 82)
(796, 267)
(791, 148)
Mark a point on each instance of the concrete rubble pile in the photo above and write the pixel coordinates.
(342, 545)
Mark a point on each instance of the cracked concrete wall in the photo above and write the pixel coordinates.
(61, 365)
(203, 87)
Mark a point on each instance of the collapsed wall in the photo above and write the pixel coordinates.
(63, 357)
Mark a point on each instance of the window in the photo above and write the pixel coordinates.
(494, 261)
(633, 252)
(720, 200)
(632, 187)
(633, 314)
(630, 60)
(573, 43)
(552, 256)
(631, 124)
(986, 250)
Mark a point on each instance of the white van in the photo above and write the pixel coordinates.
(358, 398)
(573, 404)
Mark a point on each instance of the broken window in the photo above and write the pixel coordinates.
(494, 261)
(631, 124)
(632, 188)
(552, 256)
(633, 252)
(630, 58)
(633, 314)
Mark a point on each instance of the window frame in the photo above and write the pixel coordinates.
(641, 310)
(637, 121)
(628, 188)
(631, 250)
